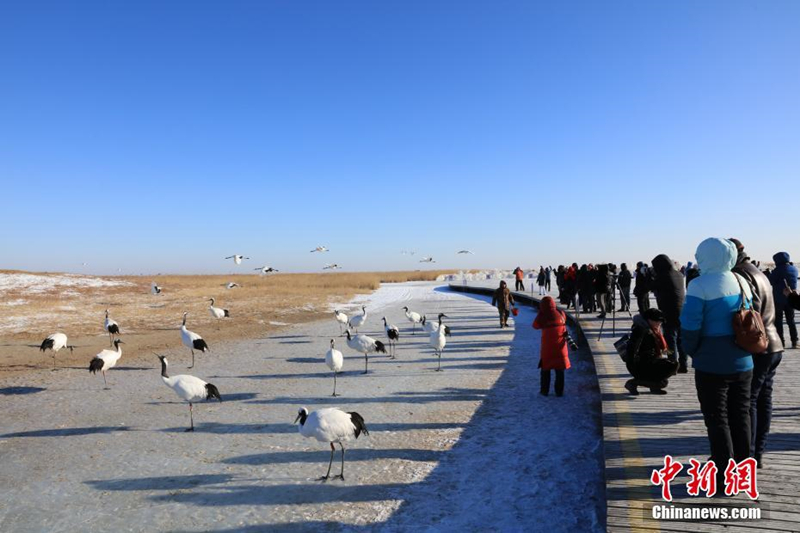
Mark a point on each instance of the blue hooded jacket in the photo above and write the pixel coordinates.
(783, 271)
(707, 317)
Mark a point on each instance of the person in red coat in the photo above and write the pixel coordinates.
(554, 354)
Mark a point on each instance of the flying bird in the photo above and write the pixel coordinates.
(188, 388)
(267, 269)
(465, 252)
(55, 342)
(427, 260)
(106, 360)
(192, 340)
(155, 289)
(320, 249)
(329, 266)
(232, 285)
(237, 259)
(333, 426)
(335, 361)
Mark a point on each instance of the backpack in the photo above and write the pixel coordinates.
(748, 326)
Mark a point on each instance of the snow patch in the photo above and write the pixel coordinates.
(37, 284)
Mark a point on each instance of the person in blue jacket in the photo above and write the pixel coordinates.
(723, 370)
(784, 274)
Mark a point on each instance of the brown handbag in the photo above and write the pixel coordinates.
(748, 327)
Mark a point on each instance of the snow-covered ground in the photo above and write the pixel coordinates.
(40, 283)
(471, 448)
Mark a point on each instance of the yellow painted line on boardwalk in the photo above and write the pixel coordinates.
(636, 475)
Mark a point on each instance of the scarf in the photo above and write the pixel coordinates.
(661, 342)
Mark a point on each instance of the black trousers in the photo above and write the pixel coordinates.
(545, 382)
(625, 297)
(788, 312)
(761, 400)
(519, 285)
(725, 402)
(643, 302)
(547, 283)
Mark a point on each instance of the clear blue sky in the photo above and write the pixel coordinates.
(163, 136)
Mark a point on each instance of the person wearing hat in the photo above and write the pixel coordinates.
(765, 365)
(504, 301)
(723, 371)
(646, 359)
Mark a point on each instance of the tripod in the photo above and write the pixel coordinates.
(626, 303)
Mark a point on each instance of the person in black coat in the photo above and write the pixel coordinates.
(642, 287)
(765, 365)
(624, 279)
(792, 297)
(670, 289)
(585, 288)
(601, 282)
(643, 359)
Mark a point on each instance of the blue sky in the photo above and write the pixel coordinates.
(163, 136)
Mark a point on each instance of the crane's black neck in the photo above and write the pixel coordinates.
(164, 369)
(303, 417)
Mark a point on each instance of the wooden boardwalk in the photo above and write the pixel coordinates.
(640, 430)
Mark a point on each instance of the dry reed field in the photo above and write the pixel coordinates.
(35, 305)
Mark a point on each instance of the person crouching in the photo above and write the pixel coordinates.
(645, 356)
(554, 352)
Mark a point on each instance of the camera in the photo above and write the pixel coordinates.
(570, 341)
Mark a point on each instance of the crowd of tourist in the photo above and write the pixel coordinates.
(693, 318)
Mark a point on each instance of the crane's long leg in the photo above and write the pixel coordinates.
(439, 368)
(104, 379)
(330, 463)
(54, 361)
(341, 475)
(192, 359)
(366, 363)
(334, 384)
(191, 418)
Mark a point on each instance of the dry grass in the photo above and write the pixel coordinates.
(260, 300)
(147, 321)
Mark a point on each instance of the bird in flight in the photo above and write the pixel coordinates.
(427, 260)
(266, 269)
(232, 285)
(334, 266)
(237, 258)
(320, 249)
(465, 252)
